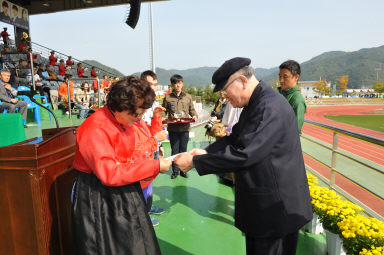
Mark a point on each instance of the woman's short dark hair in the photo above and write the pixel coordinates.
(127, 94)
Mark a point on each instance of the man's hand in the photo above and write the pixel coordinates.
(194, 118)
(14, 101)
(8, 87)
(164, 165)
(184, 161)
(197, 151)
(161, 135)
(158, 111)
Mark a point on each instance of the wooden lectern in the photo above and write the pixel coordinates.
(36, 180)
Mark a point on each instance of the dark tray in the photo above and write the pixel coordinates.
(179, 121)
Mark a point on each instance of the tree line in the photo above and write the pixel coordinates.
(205, 93)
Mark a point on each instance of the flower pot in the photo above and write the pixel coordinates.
(334, 244)
(314, 226)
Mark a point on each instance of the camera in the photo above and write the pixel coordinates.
(210, 123)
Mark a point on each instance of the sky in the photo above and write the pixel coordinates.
(196, 33)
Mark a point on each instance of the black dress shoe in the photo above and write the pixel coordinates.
(25, 126)
(185, 175)
(174, 175)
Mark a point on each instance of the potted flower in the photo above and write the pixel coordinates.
(331, 210)
(314, 226)
(361, 233)
(373, 251)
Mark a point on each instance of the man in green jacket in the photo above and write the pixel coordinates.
(288, 76)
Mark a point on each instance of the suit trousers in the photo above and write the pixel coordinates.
(179, 143)
(22, 105)
(285, 245)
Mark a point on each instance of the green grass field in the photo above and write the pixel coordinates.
(373, 122)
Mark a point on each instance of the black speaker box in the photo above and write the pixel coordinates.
(134, 13)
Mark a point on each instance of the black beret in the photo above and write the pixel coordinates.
(220, 77)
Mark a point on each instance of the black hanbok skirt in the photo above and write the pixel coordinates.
(110, 220)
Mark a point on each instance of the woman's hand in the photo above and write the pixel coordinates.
(161, 135)
(164, 165)
(158, 111)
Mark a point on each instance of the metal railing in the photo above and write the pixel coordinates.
(335, 151)
(76, 87)
(45, 52)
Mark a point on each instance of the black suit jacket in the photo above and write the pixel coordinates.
(271, 188)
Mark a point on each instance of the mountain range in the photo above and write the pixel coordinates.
(110, 71)
(362, 67)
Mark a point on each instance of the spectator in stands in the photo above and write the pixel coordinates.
(110, 81)
(52, 78)
(23, 47)
(7, 97)
(23, 73)
(5, 36)
(288, 76)
(178, 104)
(15, 15)
(104, 82)
(63, 93)
(5, 59)
(4, 15)
(69, 62)
(34, 56)
(42, 88)
(62, 68)
(80, 71)
(95, 82)
(40, 71)
(93, 72)
(52, 59)
(82, 100)
(51, 74)
(95, 98)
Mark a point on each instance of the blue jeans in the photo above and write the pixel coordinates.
(84, 110)
(179, 143)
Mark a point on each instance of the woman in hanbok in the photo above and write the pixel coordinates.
(109, 214)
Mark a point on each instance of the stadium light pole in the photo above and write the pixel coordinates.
(152, 39)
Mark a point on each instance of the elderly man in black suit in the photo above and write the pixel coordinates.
(7, 97)
(272, 200)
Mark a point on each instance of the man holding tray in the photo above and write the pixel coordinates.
(178, 105)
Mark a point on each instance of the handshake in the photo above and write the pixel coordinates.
(183, 160)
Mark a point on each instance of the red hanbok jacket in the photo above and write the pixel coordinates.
(107, 149)
(145, 142)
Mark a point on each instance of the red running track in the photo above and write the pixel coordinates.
(363, 149)
(357, 147)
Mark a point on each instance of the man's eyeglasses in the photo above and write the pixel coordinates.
(226, 86)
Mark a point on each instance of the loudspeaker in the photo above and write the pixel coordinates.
(134, 13)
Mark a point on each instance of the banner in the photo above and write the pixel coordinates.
(13, 14)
